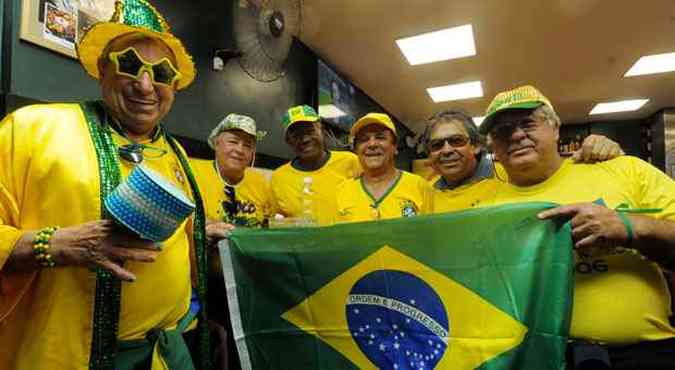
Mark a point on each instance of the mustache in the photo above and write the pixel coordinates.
(520, 145)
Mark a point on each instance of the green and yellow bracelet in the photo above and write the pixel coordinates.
(41, 246)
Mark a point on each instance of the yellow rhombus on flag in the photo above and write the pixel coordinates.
(467, 330)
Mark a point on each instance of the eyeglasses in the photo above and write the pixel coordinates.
(455, 141)
(135, 153)
(506, 129)
(129, 63)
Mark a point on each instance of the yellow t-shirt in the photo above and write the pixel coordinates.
(409, 196)
(49, 176)
(252, 195)
(288, 184)
(478, 194)
(620, 297)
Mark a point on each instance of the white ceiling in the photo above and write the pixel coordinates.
(574, 51)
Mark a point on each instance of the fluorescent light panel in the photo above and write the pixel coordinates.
(330, 111)
(461, 91)
(478, 120)
(450, 43)
(651, 64)
(619, 106)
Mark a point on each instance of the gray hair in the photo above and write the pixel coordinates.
(454, 115)
(547, 113)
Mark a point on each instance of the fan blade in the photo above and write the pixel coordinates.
(265, 51)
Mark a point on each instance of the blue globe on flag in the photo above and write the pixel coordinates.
(397, 320)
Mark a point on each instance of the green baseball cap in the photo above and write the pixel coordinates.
(523, 97)
(299, 113)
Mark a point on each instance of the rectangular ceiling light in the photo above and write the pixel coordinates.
(650, 64)
(619, 106)
(330, 111)
(461, 91)
(478, 120)
(450, 43)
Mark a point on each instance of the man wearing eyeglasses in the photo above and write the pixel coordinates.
(622, 216)
(468, 173)
(382, 191)
(76, 290)
(306, 186)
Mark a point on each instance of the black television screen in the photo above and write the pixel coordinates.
(337, 100)
(341, 103)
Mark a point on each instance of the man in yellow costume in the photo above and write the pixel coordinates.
(468, 173)
(382, 191)
(76, 292)
(621, 300)
(306, 186)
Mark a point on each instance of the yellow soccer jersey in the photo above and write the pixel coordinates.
(253, 199)
(479, 194)
(288, 184)
(409, 196)
(620, 297)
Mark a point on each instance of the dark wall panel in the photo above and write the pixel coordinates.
(2, 46)
(658, 140)
(626, 133)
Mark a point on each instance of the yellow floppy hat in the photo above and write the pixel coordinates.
(133, 16)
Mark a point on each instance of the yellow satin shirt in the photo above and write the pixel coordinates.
(49, 176)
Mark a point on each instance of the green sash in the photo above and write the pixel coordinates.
(137, 354)
(108, 288)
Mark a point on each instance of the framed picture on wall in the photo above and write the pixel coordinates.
(59, 24)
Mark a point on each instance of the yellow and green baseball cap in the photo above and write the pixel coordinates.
(372, 118)
(523, 97)
(300, 113)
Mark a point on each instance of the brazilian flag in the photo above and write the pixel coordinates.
(486, 288)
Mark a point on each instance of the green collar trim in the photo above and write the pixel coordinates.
(377, 202)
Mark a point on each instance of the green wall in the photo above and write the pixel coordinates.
(40, 74)
(2, 19)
